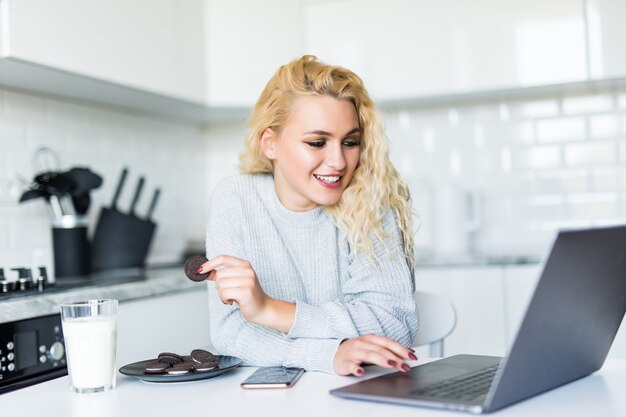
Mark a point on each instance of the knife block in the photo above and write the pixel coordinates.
(120, 241)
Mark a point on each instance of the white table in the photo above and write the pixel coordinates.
(601, 394)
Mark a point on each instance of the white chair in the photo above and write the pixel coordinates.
(437, 319)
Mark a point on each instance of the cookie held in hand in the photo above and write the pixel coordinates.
(191, 266)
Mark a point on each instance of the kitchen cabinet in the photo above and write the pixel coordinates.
(607, 38)
(156, 47)
(519, 286)
(477, 295)
(490, 303)
(175, 323)
(405, 49)
(247, 41)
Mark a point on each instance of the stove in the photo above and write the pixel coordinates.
(29, 283)
(31, 351)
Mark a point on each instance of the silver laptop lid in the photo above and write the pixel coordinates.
(572, 318)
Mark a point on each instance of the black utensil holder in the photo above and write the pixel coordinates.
(71, 251)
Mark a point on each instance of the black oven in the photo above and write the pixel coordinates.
(31, 351)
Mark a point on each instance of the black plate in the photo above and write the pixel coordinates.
(225, 364)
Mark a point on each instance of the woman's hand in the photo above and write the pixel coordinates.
(236, 281)
(378, 350)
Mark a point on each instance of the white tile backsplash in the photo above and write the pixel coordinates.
(561, 129)
(534, 109)
(604, 126)
(587, 104)
(597, 153)
(541, 164)
(169, 155)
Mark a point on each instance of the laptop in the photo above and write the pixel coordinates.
(568, 329)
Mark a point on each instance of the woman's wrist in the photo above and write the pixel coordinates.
(277, 314)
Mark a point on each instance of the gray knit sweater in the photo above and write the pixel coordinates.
(300, 257)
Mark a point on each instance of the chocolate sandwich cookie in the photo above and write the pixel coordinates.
(204, 367)
(156, 368)
(192, 264)
(172, 359)
(201, 356)
(180, 369)
(187, 359)
(170, 354)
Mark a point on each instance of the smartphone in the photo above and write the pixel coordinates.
(273, 377)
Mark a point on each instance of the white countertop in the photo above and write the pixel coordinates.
(155, 282)
(601, 394)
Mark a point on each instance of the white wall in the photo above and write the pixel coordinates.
(169, 155)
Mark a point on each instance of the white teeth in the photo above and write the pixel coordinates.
(329, 180)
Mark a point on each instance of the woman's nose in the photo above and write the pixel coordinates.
(335, 158)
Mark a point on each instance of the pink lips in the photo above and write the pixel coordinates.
(329, 185)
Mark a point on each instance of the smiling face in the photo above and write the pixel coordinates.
(316, 152)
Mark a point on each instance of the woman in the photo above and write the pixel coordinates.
(311, 249)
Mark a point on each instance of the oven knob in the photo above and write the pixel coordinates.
(57, 350)
(11, 367)
(10, 345)
(43, 359)
(6, 286)
(10, 356)
(23, 284)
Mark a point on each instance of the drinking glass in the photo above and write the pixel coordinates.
(90, 333)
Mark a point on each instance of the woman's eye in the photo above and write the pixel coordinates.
(316, 144)
(351, 143)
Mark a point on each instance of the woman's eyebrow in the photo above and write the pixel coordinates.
(324, 133)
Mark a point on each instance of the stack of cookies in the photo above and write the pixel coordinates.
(170, 363)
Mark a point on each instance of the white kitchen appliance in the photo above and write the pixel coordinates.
(456, 217)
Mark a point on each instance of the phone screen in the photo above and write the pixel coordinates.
(273, 377)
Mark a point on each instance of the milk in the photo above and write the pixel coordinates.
(90, 344)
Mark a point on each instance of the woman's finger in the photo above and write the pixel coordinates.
(232, 272)
(224, 261)
(391, 345)
(230, 295)
(231, 282)
(355, 369)
(390, 358)
(379, 359)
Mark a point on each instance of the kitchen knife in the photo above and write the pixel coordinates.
(133, 204)
(118, 191)
(155, 198)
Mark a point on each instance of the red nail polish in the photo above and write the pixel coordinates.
(406, 367)
(198, 270)
(359, 371)
(391, 362)
(412, 356)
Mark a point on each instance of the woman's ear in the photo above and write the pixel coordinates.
(268, 139)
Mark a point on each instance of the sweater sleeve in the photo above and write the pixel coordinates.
(231, 334)
(377, 298)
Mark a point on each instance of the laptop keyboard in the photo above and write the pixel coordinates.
(466, 387)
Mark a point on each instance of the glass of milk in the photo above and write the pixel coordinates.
(90, 333)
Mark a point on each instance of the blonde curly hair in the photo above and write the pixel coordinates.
(375, 186)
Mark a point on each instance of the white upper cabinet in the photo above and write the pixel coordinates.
(607, 38)
(153, 46)
(246, 42)
(411, 48)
